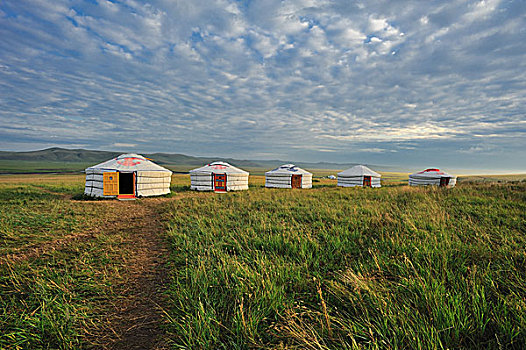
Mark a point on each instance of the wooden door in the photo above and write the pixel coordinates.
(366, 181)
(220, 182)
(295, 182)
(110, 184)
(444, 181)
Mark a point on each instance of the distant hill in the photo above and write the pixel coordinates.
(58, 159)
(57, 154)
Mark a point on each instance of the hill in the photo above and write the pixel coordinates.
(70, 160)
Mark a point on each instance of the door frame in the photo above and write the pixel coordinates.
(444, 181)
(214, 182)
(367, 181)
(134, 185)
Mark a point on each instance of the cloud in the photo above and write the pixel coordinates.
(125, 145)
(253, 78)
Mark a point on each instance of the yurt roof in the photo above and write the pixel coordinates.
(219, 168)
(129, 162)
(359, 170)
(288, 169)
(432, 173)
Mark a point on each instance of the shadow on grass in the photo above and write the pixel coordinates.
(179, 189)
(85, 197)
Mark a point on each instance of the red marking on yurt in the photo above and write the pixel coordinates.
(218, 167)
(129, 161)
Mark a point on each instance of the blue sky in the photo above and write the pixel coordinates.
(407, 83)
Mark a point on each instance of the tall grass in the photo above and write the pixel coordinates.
(55, 299)
(332, 268)
(33, 214)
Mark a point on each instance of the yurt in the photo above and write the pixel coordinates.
(218, 177)
(432, 176)
(359, 175)
(127, 176)
(288, 176)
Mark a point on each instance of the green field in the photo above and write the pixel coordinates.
(327, 268)
(18, 166)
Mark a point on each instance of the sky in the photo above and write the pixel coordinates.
(405, 83)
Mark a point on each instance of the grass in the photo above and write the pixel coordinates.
(334, 268)
(55, 299)
(327, 268)
(33, 214)
(493, 178)
(30, 166)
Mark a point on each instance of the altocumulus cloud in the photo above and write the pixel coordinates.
(390, 82)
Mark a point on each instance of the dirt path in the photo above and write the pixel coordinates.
(135, 317)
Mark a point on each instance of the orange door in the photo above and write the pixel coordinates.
(296, 181)
(367, 181)
(110, 184)
(220, 182)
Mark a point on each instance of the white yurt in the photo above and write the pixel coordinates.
(288, 176)
(219, 177)
(432, 176)
(127, 176)
(359, 175)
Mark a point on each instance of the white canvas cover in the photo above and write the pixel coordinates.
(281, 177)
(150, 179)
(432, 176)
(355, 176)
(202, 179)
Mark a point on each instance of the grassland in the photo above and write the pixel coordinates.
(67, 267)
(334, 268)
(327, 268)
(29, 166)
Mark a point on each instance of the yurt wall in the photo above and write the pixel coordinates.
(351, 181)
(237, 182)
(153, 183)
(278, 180)
(201, 181)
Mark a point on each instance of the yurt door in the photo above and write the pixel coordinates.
(444, 181)
(110, 184)
(367, 181)
(296, 181)
(220, 182)
(127, 185)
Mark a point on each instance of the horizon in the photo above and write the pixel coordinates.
(395, 168)
(403, 85)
